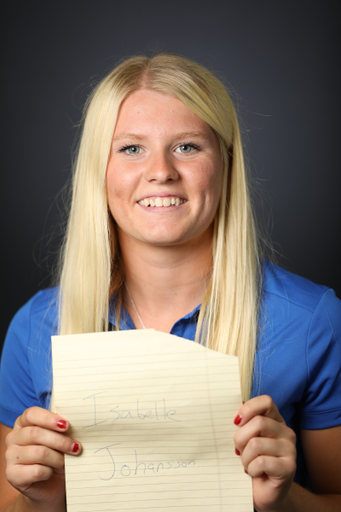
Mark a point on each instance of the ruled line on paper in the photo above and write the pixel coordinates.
(154, 413)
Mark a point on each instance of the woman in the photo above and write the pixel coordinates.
(160, 223)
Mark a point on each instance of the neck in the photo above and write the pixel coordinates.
(165, 283)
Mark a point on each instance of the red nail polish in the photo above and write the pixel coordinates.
(237, 451)
(75, 448)
(62, 424)
(237, 419)
(246, 471)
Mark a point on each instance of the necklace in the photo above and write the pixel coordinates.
(133, 303)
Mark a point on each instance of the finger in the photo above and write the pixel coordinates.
(258, 406)
(33, 435)
(38, 454)
(260, 446)
(261, 426)
(42, 418)
(277, 467)
(24, 476)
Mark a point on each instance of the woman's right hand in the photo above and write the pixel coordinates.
(35, 456)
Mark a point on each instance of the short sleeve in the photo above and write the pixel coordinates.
(25, 372)
(16, 386)
(321, 404)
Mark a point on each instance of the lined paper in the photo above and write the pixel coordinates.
(154, 413)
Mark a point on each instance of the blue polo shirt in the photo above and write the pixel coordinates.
(298, 359)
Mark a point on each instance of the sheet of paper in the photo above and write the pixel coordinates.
(154, 413)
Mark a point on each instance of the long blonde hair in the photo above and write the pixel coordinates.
(91, 267)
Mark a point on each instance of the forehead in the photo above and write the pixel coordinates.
(157, 113)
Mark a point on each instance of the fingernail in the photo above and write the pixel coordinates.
(75, 447)
(237, 419)
(246, 471)
(62, 424)
(237, 451)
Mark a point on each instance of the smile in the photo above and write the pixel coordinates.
(165, 202)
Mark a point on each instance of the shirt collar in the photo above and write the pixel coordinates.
(126, 323)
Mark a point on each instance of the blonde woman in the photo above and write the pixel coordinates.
(161, 235)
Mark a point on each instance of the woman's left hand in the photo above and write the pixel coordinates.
(268, 452)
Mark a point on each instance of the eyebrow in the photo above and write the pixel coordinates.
(182, 135)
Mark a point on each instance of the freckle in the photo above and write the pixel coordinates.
(18, 458)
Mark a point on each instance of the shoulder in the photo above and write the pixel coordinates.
(34, 323)
(302, 304)
(296, 308)
(42, 304)
(283, 286)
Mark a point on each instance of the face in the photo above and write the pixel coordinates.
(164, 174)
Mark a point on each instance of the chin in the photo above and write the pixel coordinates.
(163, 242)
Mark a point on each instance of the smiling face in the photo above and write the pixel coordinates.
(164, 174)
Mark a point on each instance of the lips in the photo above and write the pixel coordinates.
(162, 201)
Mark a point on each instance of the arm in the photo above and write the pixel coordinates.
(267, 448)
(33, 477)
(322, 451)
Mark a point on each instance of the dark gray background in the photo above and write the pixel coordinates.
(282, 59)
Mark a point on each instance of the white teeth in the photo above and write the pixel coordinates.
(158, 201)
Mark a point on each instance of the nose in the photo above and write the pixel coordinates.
(161, 169)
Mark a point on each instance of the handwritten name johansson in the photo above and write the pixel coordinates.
(141, 467)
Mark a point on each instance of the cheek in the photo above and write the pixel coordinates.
(117, 184)
(214, 186)
(210, 180)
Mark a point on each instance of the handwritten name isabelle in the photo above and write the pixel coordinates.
(159, 413)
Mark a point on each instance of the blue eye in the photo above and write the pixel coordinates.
(131, 150)
(134, 150)
(187, 148)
